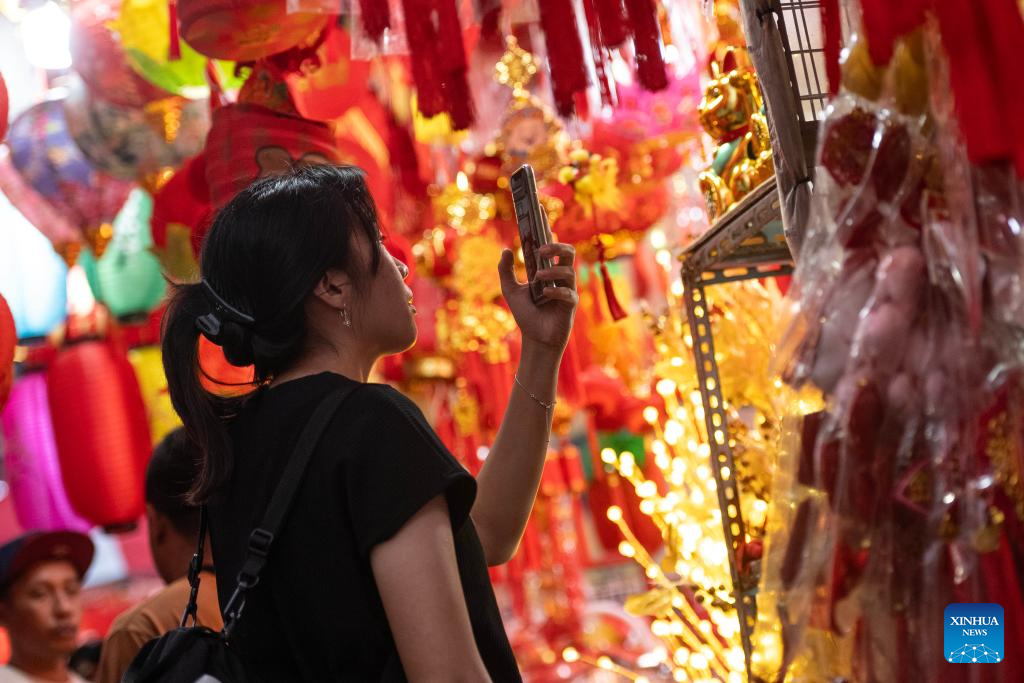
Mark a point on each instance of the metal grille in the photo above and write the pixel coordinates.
(804, 41)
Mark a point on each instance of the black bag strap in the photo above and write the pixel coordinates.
(262, 536)
(194, 567)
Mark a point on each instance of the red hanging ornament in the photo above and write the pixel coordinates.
(565, 52)
(99, 420)
(174, 44)
(611, 17)
(244, 30)
(650, 64)
(376, 16)
(614, 307)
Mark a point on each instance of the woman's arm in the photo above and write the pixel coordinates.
(418, 580)
(508, 481)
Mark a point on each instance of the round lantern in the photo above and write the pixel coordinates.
(248, 141)
(65, 237)
(30, 459)
(4, 108)
(246, 30)
(100, 59)
(99, 420)
(32, 275)
(44, 152)
(129, 143)
(128, 279)
(144, 30)
(8, 338)
(149, 371)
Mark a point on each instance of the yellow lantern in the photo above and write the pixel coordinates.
(149, 371)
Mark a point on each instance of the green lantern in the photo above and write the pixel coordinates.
(144, 29)
(128, 279)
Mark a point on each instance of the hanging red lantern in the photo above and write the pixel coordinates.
(244, 30)
(8, 339)
(99, 420)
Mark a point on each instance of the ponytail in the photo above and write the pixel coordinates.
(205, 415)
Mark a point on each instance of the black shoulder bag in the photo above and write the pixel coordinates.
(195, 653)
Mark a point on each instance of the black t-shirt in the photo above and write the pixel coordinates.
(316, 614)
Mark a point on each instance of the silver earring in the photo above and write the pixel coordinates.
(345, 319)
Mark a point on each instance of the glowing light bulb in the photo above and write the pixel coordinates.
(614, 513)
(605, 663)
(462, 181)
(570, 654)
(608, 456)
(665, 387)
(626, 549)
(650, 414)
(698, 661)
(647, 507)
(647, 489)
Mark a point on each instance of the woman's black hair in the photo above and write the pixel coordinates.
(265, 252)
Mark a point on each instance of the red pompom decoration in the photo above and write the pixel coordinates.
(245, 30)
(99, 420)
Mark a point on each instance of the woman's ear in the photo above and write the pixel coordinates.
(333, 289)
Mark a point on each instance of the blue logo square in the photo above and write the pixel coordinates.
(974, 633)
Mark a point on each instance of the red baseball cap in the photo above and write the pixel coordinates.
(20, 554)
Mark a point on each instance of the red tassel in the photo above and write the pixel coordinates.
(174, 48)
(599, 53)
(650, 64)
(614, 307)
(459, 101)
(611, 16)
(830, 20)
(423, 57)
(565, 52)
(376, 16)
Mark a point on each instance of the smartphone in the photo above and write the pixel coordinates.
(534, 231)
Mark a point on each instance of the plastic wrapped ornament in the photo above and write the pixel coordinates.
(100, 59)
(145, 31)
(133, 143)
(44, 152)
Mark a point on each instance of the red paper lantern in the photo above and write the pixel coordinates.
(8, 338)
(244, 30)
(99, 420)
(248, 141)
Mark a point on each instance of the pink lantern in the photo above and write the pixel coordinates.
(30, 457)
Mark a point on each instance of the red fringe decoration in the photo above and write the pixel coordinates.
(174, 48)
(453, 64)
(599, 52)
(438, 60)
(614, 307)
(565, 52)
(830, 20)
(650, 64)
(376, 16)
(612, 17)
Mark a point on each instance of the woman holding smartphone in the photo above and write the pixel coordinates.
(380, 570)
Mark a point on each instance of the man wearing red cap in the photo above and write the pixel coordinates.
(40, 604)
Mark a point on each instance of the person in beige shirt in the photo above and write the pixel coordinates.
(173, 532)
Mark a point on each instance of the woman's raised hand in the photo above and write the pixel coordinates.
(550, 323)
